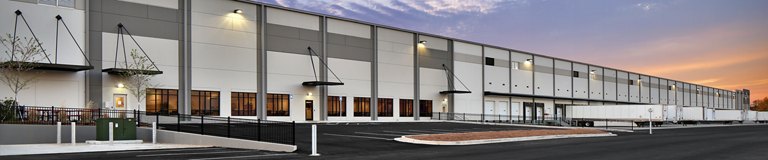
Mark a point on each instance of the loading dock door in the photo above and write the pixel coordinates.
(539, 111)
(515, 108)
(489, 107)
(528, 111)
(502, 109)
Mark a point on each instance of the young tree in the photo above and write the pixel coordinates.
(760, 104)
(136, 78)
(16, 70)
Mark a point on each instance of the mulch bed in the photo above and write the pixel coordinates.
(502, 134)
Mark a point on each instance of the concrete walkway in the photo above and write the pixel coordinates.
(30, 149)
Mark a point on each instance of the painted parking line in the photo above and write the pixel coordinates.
(444, 130)
(423, 131)
(166, 150)
(356, 136)
(401, 132)
(248, 156)
(378, 134)
(194, 153)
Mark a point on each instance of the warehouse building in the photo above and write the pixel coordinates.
(251, 60)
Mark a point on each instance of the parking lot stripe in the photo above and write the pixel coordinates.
(165, 150)
(176, 154)
(248, 156)
(401, 132)
(426, 131)
(355, 136)
(378, 134)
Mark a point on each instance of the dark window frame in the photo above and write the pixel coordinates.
(425, 108)
(385, 107)
(162, 101)
(406, 107)
(243, 104)
(278, 104)
(362, 106)
(337, 106)
(575, 74)
(205, 102)
(490, 61)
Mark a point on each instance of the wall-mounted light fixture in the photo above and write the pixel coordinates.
(592, 72)
(238, 11)
(120, 85)
(309, 93)
(423, 42)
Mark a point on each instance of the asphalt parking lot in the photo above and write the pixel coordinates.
(374, 141)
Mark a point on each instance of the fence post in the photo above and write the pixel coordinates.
(464, 116)
(202, 127)
(178, 122)
(228, 127)
(99, 112)
(157, 117)
(438, 116)
(138, 118)
(258, 130)
(53, 121)
(293, 123)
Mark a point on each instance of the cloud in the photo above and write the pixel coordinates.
(440, 8)
(646, 6)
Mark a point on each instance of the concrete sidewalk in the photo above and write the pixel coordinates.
(30, 149)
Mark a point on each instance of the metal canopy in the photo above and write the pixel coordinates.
(121, 71)
(449, 76)
(121, 31)
(317, 82)
(50, 65)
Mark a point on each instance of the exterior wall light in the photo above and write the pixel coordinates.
(120, 85)
(423, 42)
(592, 72)
(238, 11)
(309, 93)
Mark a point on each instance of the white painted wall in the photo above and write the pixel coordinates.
(609, 89)
(224, 50)
(622, 87)
(563, 82)
(595, 82)
(468, 73)
(522, 78)
(497, 76)
(52, 88)
(580, 84)
(395, 55)
(543, 80)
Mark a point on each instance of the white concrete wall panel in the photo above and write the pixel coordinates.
(645, 89)
(634, 90)
(293, 19)
(543, 76)
(622, 86)
(497, 76)
(395, 55)
(609, 88)
(596, 82)
(522, 77)
(563, 79)
(468, 73)
(61, 89)
(349, 28)
(654, 88)
(157, 49)
(581, 83)
(172, 4)
(663, 91)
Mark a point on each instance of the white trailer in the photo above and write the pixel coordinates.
(751, 116)
(762, 117)
(709, 114)
(673, 113)
(587, 115)
(692, 114)
(728, 116)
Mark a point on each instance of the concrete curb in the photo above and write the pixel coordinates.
(406, 139)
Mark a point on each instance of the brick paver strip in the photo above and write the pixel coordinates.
(502, 134)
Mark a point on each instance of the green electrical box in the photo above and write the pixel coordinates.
(124, 129)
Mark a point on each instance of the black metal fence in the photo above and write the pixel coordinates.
(250, 129)
(51, 115)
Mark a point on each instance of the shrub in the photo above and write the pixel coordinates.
(7, 111)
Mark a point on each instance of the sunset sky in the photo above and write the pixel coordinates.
(719, 43)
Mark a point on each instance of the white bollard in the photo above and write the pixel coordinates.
(58, 132)
(314, 141)
(74, 139)
(111, 133)
(650, 122)
(154, 132)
